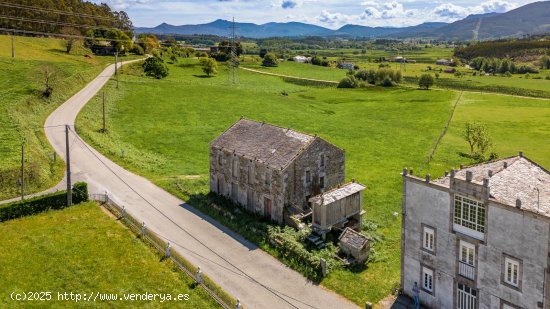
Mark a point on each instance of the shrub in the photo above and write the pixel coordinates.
(348, 82)
(138, 50)
(155, 66)
(426, 81)
(547, 77)
(209, 66)
(270, 60)
(43, 203)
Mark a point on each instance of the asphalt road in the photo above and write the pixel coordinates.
(238, 266)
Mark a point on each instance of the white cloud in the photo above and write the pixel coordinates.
(332, 18)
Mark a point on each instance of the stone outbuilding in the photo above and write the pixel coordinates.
(479, 237)
(355, 245)
(271, 170)
(338, 208)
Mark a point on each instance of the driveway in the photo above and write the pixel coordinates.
(238, 266)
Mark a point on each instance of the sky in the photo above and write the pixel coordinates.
(327, 13)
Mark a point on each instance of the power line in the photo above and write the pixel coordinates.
(61, 35)
(27, 7)
(179, 226)
(41, 21)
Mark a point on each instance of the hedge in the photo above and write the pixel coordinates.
(32, 206)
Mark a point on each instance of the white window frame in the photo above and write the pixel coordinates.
(467, 253)
(428, 280)
(428, 238)
(511, 271)
(469, 217)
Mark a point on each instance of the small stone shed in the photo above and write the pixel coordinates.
(355, 244)
(340, 207)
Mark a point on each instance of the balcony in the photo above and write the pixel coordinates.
(466, 270)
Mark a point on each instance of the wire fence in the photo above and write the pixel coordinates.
(220, 296)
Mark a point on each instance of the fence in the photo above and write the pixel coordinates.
(220, 296)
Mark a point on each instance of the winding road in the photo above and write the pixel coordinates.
(238, 266)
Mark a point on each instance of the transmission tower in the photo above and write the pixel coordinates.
(234, 57)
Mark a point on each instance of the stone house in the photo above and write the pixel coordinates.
(273, 171)
(479, 237)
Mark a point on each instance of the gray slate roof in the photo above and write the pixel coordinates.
(337, 194)
(272, 145)
(353, 239)
(520, 179)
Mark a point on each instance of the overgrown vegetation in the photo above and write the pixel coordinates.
(426, 81)
(479, 140)
(522, 49)
(270, 60)
(155, 67)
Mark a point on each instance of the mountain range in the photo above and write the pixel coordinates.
(532, 18)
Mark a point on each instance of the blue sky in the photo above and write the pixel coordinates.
(327, 13)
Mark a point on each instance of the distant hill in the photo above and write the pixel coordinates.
(532, 18)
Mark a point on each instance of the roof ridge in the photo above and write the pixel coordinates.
(276, 126)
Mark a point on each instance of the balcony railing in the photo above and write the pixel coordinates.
(466, 270)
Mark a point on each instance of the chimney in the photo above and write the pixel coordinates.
(453, 173)
(490, 173)
(518, 203)
(428, 178)
(469, 176)
(521, 154)
(486, 182)
(411, 171)
(446, 173)
(405, 171)
(505, 164)
(353, 180)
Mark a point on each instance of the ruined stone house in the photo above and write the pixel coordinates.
(272, 170)
(479, 237)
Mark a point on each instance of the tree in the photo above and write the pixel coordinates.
(478, 138)
(270, 60)
(155, 66)
(426, 81)
(71, 36)
(209, 66)
(48, 76)
(148, 42)
(263, 52)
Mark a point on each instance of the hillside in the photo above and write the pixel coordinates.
(532, 18)
(23, 15)
(529, 19)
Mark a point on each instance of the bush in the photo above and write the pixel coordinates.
(384, 76)
(270, 60)
(348, 82)
(547, 77)
(138, 50)
(426, 81)
(43, 203)
(209, 66)
(155, 66)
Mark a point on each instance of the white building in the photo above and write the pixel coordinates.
(479, 237)
(302, 59)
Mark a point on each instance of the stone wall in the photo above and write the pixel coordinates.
(297, 189)
(247, 183)
(509, 231)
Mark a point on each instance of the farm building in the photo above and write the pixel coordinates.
(479, 237)
(338, 208)
(346, 65)
(444, 62)
(272, 170)
(355, 246)
(302, 59)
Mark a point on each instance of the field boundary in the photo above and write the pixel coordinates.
(445, 130)
(331, 82)
(220, 296)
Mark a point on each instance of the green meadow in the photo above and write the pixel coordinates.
(23, 109)
(83, 250)
(165, 127)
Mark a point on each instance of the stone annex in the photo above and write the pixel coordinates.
(275, 171)
(479, 237)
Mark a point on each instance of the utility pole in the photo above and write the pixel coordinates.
(69, 186)
(104, 127)
(116, 68)
(22, 171)
(12, 48)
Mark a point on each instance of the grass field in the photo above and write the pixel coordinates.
(23, 110)
(165, 127)
(410, 70)
(83, 250)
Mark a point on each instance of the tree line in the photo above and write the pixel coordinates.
(502, 49)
